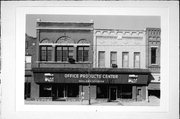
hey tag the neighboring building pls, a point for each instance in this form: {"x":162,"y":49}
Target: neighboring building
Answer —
{"x":30,"y":51}
{"x":153,"y":42}
{"x":122,"y":53}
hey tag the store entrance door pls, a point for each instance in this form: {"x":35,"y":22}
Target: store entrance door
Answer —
{"x":113,"y":92}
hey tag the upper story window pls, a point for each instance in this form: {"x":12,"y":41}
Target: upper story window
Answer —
{"x":113,"y":59}
{"x":27,"y":59}
{"x":63,"y":53}
{"x":153,"y":55}
{"x":28,"y":62}
{"x":125,"y":59}
{"x":82,"y":53}
{"x":45,"y":53}
{"x":101,"y":59}
{"x":136,"y":59}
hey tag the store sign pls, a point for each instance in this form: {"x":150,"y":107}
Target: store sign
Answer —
{"x":132,"y":78}
{"x":91,"y":76}
{"x":49,"y":77}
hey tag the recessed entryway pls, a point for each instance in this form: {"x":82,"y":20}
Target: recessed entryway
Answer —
{"x":113,"y":93}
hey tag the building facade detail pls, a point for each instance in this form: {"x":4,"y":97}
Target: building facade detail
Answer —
{"x":153,"y":41}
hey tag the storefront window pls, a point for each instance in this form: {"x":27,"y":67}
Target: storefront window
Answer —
{"x":45,"y":53}
{"x":102,"y":91}
{"x":27,"y":89}
{"x":73,"y":90}
{"x":125,"y":91}
{"x":45,"y":90}
{"x":82,"y":53}
{"x":63,"y":53}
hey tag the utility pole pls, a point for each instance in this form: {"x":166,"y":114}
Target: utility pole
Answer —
{"x":89,"y":93}
{"x":89,"y":97}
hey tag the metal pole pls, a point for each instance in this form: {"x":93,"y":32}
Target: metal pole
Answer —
{"x":89,"y":93}
{"x":89,"y":88}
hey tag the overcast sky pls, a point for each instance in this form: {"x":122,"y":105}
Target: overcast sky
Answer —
{"x":100,"y":21}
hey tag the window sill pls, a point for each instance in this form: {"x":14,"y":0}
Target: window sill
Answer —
{"x":154,"y":65}
{"x":58,"y":62}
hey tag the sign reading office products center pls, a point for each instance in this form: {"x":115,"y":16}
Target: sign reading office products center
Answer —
{"x":97,"y":78}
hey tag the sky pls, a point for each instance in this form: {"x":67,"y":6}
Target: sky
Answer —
{"x":100,"y":21}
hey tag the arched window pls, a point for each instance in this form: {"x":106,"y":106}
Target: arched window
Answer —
{"x":64,"y":39}
{"x":46,"y":40}
{"x":82,"y":41}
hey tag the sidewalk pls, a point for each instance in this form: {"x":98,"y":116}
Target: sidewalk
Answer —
{"x":153,"y":101}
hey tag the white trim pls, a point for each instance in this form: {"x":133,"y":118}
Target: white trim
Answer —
{"x":154,"y":46}
{"x":65,"y":44}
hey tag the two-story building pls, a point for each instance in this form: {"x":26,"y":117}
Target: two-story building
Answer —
{"x":122,"y":53}
{"x":153,"y":42}
{"x":63,"y":51}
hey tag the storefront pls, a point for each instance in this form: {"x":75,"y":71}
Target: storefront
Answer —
{"x":65,"y":84}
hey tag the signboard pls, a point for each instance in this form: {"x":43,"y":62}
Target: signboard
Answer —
{"x":91,"y":78}
{"x":49,"y":77}
{"x":133,"y":78}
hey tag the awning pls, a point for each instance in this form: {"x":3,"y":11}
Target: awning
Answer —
{"x":79,"y":77}
{"x":92,"y":70}
{"x":154,"y":86}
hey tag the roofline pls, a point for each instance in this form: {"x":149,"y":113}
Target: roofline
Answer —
{"x":120,"y":30}
{"x":51,"y":28}
{"x":82,"y":22}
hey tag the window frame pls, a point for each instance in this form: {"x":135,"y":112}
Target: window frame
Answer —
{"x":123,"y":59}
{"x":111,"y":60}
{"x":99,"y":59}
{"x":152,"y":63}
{"x":46,"y":56}
{"x":139,"y":59}
{"x":62,"y":54}
{"x":83,"y":54}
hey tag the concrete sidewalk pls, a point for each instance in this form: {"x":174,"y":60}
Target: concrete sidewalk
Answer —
{"x":153,"y":101}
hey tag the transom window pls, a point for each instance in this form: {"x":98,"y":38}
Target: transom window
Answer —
{"x":82,"y":53}
{"x":45,"y":53}
{"x":63,"y":53}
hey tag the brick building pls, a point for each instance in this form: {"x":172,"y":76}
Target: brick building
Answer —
{"x":62,"y":50}
{"x":153,"y":42}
